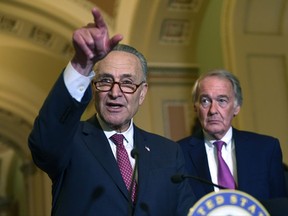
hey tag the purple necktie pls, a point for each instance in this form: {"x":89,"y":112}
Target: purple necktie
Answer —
{"x":124,"y":163}
{"x":225,"y":177}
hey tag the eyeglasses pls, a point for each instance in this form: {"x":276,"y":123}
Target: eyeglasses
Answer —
{"x":105,"y":86}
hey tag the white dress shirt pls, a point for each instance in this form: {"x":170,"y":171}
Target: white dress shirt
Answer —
{"x":128,"y":142}
{"x":228,"y":154}
{"x":75,"y":82}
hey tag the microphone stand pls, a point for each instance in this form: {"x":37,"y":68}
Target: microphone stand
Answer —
{"x":180,"y":177}
{"x":135,"y":155}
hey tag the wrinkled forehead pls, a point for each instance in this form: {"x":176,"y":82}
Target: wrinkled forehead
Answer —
{"x":215,"y":82}
{"x":214,"y":86}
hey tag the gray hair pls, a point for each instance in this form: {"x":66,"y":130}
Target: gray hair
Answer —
{"x":140,"y":56}
{"x":221,"y":73}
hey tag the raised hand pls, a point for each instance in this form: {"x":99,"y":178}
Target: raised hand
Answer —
{"x":92,"y":43}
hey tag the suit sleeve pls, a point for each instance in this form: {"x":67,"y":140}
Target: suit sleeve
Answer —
{"x":186,"y":196}
{"x":54,"y":128}
{"x":277,"y":178}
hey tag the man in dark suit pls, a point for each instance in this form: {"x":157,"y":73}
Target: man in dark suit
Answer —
{"x":253,"y":160}
{"x":81,"y":158}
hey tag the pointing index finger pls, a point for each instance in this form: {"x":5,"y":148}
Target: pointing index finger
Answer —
{"x":98,"y":19}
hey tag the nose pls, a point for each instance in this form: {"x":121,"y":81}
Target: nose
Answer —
{"x":115,"y":90}
{"x":213,"y":107}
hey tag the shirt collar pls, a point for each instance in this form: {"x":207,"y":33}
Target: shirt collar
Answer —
{"x":128,"y":134}
{"x":227,"y":138}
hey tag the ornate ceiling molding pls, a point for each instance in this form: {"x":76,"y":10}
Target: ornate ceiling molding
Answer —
{"x":39,"y":35}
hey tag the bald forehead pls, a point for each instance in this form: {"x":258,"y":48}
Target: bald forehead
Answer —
{"x":120,"y":59}
{"x":120,"y":64}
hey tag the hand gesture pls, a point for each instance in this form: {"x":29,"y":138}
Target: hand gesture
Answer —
{"x":92,"y":43}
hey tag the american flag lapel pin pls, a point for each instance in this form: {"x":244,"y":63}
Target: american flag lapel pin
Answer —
{"x":147,"y":148}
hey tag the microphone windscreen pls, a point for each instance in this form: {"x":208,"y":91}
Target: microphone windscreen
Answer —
{"x":134,"y":153}
{"x":177,"y":178}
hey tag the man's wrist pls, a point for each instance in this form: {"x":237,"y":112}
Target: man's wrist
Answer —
{"x":75,"y":82}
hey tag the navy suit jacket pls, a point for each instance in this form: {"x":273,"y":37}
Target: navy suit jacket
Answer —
{"x":258,"y":161}
{"x":86,"y":179}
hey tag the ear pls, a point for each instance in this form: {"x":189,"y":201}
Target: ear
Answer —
{"x":93,"y":90}
{"x":195,"y":108}
{"x":237,"y":110}
{"x":143,"y":93}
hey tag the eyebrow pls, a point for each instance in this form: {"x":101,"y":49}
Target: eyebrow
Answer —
{"x":110,"y":75}
{"x":218,"y":96}
{"x":221,"y":96}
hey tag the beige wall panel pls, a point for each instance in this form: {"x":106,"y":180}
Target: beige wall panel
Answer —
{"x":268,"y":90}
{"x":165,"y":100}
{"x":168,"y":109}
{"x":263,"y":17}
{"x":256,"y":50}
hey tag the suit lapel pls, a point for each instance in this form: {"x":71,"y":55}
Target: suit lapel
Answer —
{"x":198,"y":157}
{"x":99,"y":146}
{"x":242,"y":147}
{"x":143,"y":147}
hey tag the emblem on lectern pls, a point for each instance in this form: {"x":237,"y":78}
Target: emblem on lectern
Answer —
{"x":228,"y":203}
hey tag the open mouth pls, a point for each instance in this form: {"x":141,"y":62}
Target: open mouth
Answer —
{"x":114,"y":106}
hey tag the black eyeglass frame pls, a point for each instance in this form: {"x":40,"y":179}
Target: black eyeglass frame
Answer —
{"x":119,"y":84}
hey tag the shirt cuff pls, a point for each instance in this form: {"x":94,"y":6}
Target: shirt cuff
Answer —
{"x":75,"y":82}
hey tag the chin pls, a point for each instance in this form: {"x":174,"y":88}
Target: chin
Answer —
{"x":214,"y":130}
{"x":115,"y":123}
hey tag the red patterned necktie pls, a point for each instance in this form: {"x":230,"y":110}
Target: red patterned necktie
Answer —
{"x":225,"y":177}
{"x":124,"y":164}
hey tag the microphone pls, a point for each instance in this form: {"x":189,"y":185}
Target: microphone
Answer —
{"x":180,"y":177}
{"x":134,"y":154}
